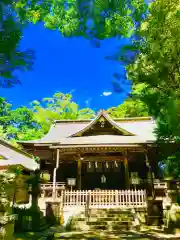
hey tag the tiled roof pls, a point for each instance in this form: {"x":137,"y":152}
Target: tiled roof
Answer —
{"x":14,"y":156}
{"x":142,"y":128}
{"x":102,"y":140}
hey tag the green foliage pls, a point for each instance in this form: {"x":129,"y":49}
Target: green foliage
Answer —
{"x":6,"y":186}
{"x":132,"y":106}
{"x":71,"y":224}
{"x":109,"y":17}
{"x":32,"y":123}
{"x":157,"y":66}
{"x":59,"y":106}
{"x":17,"y":124}
{"x":6,"y":197}
{"x":11,"y":58}
{"x":172,"y":166}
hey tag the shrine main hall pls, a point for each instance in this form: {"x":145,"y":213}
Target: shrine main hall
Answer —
{"x":102,"y":153}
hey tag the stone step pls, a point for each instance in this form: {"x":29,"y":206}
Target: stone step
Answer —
{"x":99,"y":227}
{"x":110,"y":213}
{"x":111,"y":217}
{"x":96,"y":223}
{"x":110,"y":210}
{"x":118,"y":210}
{"x":124,"y":226}
{"x":130,"y":219}
{"x":120,"y":216}
{"x":108,"y":222}
{"x":81,"y":219}
{"x":105,"y":218}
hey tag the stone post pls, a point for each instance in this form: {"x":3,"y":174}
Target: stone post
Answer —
{"x":150,"y":173}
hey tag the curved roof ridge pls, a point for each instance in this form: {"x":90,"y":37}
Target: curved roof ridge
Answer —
{"x":147,"y":118}
{"x":114,"y":119}
{"x":72,"y":120}
{"x":102,"y":113}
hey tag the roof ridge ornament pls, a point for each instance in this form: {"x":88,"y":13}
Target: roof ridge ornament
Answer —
{"x":101,"y":112}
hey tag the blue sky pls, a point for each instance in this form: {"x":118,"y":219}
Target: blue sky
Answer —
{"x":67,"y":64}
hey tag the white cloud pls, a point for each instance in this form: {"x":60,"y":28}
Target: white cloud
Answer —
{"x":87,"y":102}
{"x":106,"y":94}
{"x":73,"y":90}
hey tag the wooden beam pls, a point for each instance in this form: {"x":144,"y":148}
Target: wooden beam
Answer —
{"x":126,"y":167}
{"x":79,"y":165}
{"x":54,"y":173}
{"x":57,"y":158}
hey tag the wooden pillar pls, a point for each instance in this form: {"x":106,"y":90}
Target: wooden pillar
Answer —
{"x":54,"y":173}
{"x":79,"y":165}
{"x":126,"y":167}
{"x":150,"y":173}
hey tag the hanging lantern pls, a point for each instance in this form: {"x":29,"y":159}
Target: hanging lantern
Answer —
{"x":107,"y":166}
{"x":103,"y":179}
{"x":96,"y":165}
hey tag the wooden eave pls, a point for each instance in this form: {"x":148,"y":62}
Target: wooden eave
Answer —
{"x":43,"y":144}
{"x":23,"y":152}
{"x":100,"y":148}
{"x":95,"y":146}
{"x":6,"y":167}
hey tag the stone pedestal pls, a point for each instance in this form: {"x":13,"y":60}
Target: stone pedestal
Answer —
{"x":9,"y":231}
{"x":7,"y":226}
{"x":172,"y":211}
{"x":155,"y":213}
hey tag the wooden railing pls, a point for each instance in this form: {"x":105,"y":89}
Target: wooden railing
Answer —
{"x":47,"y":189}
{"x":50,"y":185}
{"x":105,"y":198}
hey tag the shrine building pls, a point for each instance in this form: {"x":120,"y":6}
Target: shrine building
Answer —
{"x":103,"y":153}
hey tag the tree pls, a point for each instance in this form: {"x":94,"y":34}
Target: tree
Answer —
{"x":157,"y":65}
{"x":11,"y":58}
{"x":59,"y":106}
{"x":131,"y":107}
{"x":92,"y":19}
{"x":6,"y":195}
{"x":158,"y":62}
{"x":17,"y":124}
{"x":32,"y":123}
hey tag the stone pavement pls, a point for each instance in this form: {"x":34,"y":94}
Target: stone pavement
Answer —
{"x":56,"y":231}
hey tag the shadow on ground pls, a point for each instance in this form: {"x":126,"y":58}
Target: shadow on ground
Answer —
{"x":100,"y":235}
{"x":104,"y":236}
